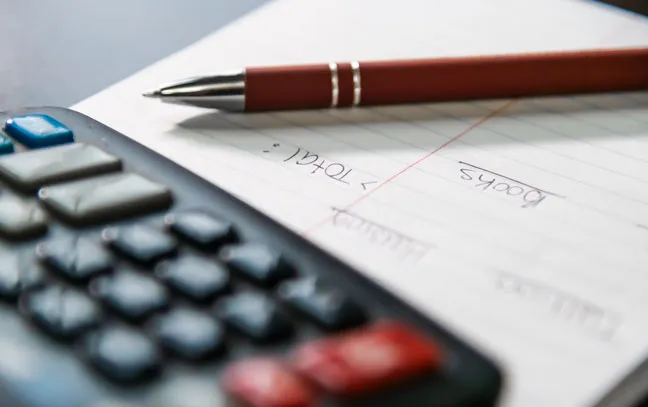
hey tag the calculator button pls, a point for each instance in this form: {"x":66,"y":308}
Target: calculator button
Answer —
{"x":326,"y":305}
{"x":256,"y":262}
{"x":122,"y":354}
{"x":38,"y":130}
{"x":105,"y":197}
{"x":256,"y":316}
{"x":32,"y":169}
{"x":366,"y":360}
{"x":18,"y":273}
{"x":63,"y":312}
{"x":74,"y":257}
{"x":201,"y":229}
{"x":142,"y":243}
{"x":21,"y":218}
{"x":198,"y":278}
{"x":6,"y":145}
{"x":265,"y":382}
{"x":132,"y":295}
{"x":190,"y":334}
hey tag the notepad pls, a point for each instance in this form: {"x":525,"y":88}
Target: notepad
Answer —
{"x":522,"y":225}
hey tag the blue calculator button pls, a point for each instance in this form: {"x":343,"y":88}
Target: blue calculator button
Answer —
{"x":6,"y":145}
{"x":38,"y":130}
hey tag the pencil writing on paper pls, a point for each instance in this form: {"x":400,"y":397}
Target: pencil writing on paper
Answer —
{"x":590,"y":317}
{"x":404,"y":247}
{"x":485,"y":180}
{"x":315,"y":164}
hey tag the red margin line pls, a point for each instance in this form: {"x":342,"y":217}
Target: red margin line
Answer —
{"x":413,"y":164}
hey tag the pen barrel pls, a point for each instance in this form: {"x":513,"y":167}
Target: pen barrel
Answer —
{"x":287,"y":87}
{"x":346,"y":84}
{"x":493,"y":77}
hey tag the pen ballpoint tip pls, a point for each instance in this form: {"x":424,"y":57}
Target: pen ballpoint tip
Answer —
{"x":152,"y":94}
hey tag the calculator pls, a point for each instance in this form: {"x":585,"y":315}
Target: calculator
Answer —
{"x":126,"y":280}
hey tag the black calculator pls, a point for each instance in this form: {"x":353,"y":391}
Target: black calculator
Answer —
{"x":126,"y":280}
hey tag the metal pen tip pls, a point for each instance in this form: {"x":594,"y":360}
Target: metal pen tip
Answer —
{"x":152,"y":94}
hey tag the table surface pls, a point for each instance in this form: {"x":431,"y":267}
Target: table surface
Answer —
{"x":55,"y":52}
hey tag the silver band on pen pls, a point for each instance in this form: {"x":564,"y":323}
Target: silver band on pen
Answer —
{"x":357,"y":84}
{"x":335,"y":85}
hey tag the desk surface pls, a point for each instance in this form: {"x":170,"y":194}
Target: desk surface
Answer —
{"x":55,"y":52}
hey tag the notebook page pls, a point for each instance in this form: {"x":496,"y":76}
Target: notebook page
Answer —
{"x":521,"y":225}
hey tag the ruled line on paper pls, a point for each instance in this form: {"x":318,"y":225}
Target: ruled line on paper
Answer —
{"x":468,"y":208}
{"x":522,"y":163}
{"x":503,"y":108}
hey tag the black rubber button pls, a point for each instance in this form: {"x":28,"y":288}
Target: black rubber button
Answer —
{"x":190,"y":334}
{"x":21,"y":218}
{"x":62,"y":312}
{"x":122,"y":354}
{"x":200,"y":228}
{"x":200,"y":279}
{"x":257,"y":263}
{"x":132,"y":295}
{"x":74,"y":257}
{"x":30,"y":170}
{"x":256,"y":316}
{"x":142,"y":243}
{"x":19,"y":272}
{"x":325,"y":305}
{"x":105,"y":197}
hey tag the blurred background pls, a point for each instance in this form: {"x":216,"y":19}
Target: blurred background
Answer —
{"x":58,"y":52}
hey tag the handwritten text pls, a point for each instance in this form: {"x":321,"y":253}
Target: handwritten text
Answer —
{"x":589,"y":317}
{"x":485,"y":180}
{"x":315,"y":164}
{"x":403,"y":247}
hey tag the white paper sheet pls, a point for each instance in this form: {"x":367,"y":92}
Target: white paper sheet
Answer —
{"x":522,"y":225}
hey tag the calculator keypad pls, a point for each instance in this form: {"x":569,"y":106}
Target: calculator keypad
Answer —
{"x":109,"y":262}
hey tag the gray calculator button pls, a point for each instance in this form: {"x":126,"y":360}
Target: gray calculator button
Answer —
{"x":21,"y":217}
{"x":33,"y":169}
{"x":105,"y":197}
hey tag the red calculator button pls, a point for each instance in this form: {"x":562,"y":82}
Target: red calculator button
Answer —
{"x":265,"y":382}
{"x":366,"y":359}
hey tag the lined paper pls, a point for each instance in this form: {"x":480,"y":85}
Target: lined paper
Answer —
{"x":520,"y":224}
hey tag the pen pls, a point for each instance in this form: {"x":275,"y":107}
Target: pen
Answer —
{"x":350,"y":84}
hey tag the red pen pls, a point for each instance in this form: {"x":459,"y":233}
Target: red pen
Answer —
{"x":349,"y":84}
